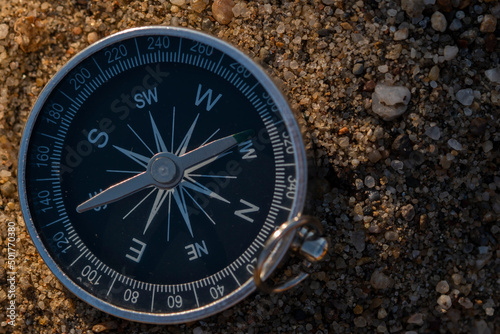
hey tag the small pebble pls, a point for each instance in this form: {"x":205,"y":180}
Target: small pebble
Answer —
{"x":397,"y":164}
{"x":433,"y":132}
{"x":198,"y":5}
{"x":92,"y":37}
{"x":455,"y":144}
{"x":382,"y":313}
{"x":401,"y":34}
{"x":178,"y":2}
{"x":358,"y":240}
{"x":450,"y":52}
{"x":489,"y":23}
{"x":374,"y":156}
{"x":457,"y":279}
{"x":4,"y":30}
{"x":465,"y":96}
{"x":444,"y":301}
{"x":223,"y":11}
{"x":369,"y":181}
{"x":487,"y":146}
{"x":455,"y":25}
{"x":408,"y":212}
{"x":383,"y":68}
{"x":105,"y":326}
{"x":390,"y":102}
{"x":391,"y":236}
{"x":380,"y":281}
{"x":443,"y":287}
{"x":413,"y":8}
{"x":417,"y":319}
{"x":438,"y":22}
{"x":360,"y":322}
{"x":493,"y":75}
{"x":465,"y":302}
{"x":434,"y":73}
{"x":358,"y":68}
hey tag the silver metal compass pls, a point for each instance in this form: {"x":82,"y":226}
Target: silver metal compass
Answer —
{"x":162,"y":176}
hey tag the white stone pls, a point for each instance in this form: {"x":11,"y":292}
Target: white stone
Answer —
{"x":438,"y":22}
{"x":465,"y":96}
{"x":493,"y":74}
{"x":389,"y":102}
{"x":450,"y":52}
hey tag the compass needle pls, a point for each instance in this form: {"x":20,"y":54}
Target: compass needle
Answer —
{"x":116,"y":192}
{"x":213,"y":149}
{"x":153,"y":169}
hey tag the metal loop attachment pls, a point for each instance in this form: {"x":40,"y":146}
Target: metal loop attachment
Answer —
{"x":307,"y":242}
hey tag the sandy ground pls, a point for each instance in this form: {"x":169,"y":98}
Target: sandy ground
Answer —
{"x":408,"y":196}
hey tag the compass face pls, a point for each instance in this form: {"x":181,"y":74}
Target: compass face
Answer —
{"x":154,"y":166}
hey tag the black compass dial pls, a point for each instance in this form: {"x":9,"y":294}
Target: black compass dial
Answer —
{"x":154,"y":167}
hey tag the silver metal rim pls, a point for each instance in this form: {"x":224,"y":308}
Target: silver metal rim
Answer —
{"x":288,"y":118}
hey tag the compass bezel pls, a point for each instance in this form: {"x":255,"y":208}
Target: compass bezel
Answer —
{"x":286,"y":113}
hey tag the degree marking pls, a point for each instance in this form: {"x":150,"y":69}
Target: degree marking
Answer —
{"x":196,"y":296}
{"x":63,"y":93}
{"x":112,"y":283}
{"x":218,"y":64}
{"x":234,"y":276}
{"x":153,"y":300}
{"x":180,"y":49}
{"x":99,"y":67}
{"x":78,"y":258}
{"x":138,"y":51}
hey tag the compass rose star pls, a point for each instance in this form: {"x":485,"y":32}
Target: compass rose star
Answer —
{"x":181,"y":191}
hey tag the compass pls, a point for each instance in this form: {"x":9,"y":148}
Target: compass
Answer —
{"x":154,"y":168}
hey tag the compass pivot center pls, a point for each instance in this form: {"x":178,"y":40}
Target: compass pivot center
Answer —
{"x":164,"y":170}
